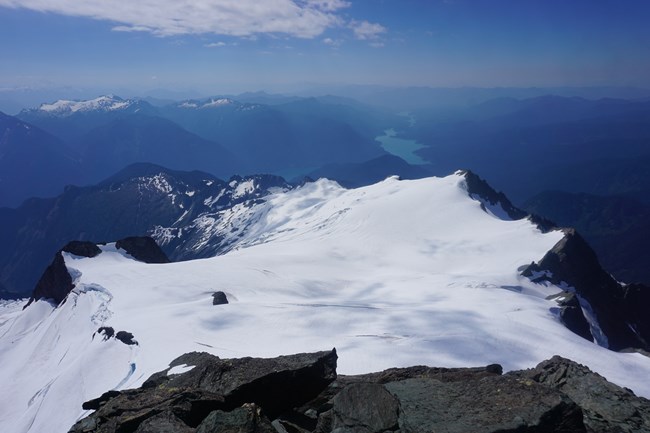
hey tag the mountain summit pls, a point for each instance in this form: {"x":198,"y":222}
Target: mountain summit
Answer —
{"x":399,"y":273}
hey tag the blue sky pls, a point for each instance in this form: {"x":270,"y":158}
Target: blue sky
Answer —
{"x":219,"y":46}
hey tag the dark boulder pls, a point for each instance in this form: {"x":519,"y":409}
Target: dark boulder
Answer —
{"x":106,"y":331}
{"x":95,"y":403}
{"x":126,"y":338}
{"x":164,"y":422}
{"x":246,"y":419}
{"x":82,"y":249}
{"x":492,"y":404}
{"x":142,"y":248}
{"x":275,"y":385}
{"x":55,"y":283}
{"x":366,"y":406}
{"x":606,"y":406}
{"x":219,"y":298}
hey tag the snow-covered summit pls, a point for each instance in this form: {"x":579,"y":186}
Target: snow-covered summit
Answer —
{"x":215,"y":102}
{"x":394,"y":274}
{"x":103,"y":103}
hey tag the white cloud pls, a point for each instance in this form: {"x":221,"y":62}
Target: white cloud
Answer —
{"x":242,"y":18}
{"x":215,"y":44}
{"x":377,"y":44}
{"x":365,"y":30}
{"x":332,"y":42}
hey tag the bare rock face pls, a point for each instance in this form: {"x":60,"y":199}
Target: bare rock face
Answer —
{"x":496,"y":404}
{"x":142,"y":248}
{"x":302,"y":394}
{"x":82,"y":249}
{"x":606,"y":407}
{"x":213,"y":384}
{"x":55,"y":283}
{"x":617,"y":309}
{"x":219,"y":298}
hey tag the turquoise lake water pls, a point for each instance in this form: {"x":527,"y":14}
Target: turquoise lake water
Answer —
{"x":402,"y":147}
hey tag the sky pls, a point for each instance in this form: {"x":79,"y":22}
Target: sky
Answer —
{"x":221,"y":46}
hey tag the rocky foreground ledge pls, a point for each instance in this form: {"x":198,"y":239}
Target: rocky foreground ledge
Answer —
{"x":302,"y":393}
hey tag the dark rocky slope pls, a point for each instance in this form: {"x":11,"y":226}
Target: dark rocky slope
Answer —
{"x":137,"y":201}
{"x":613,"y":312}
{"x":56,"y":282}
{"x":302,"y":393}
{"x":594,"y":305}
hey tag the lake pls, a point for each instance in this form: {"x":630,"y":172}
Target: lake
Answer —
{"x":402,"y":147}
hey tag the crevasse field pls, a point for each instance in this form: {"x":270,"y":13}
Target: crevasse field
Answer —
{"x":394,"y":274}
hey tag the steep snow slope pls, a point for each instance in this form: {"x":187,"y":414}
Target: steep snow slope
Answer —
{"x":394,"y":274}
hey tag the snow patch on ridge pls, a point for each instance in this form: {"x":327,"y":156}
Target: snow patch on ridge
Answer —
{"x":106,"y":103}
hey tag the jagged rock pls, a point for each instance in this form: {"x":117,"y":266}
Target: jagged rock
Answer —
{"x":480,"y":189}
{"x":126,"y":338}
{"x":477,"y":187}
{"x":364,"y":407}
{"x":142,"y":248}
{"x":606,"y":407}
{"x":246,"y":419}
{"x":106,"y":331}
{"x":276,"y":385}
{"x":219,"y":298}
{"x":95,"y":403}
{"x":621,"y":324}
{"x":282,"y":395}
{"x":572,"y":316}
{"x":82,"y":248}
{"x":164,"y":422}
{"x":55,"y":283}
{"x":491,"y":404}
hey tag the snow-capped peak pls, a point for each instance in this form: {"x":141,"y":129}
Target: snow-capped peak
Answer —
{"x":102,"y":103}
{"x":210,"y":103}
{"x":217,"y":102}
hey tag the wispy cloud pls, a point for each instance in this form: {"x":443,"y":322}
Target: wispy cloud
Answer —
{"x":365,"y":30}
{"x":332,"y":42}
{"x":241,"y":18}
{"x":377,"y":44}
{"x":215,"y":44}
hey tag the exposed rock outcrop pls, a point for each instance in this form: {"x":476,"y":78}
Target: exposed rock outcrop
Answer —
{"x":142,"y":248}
{"x":301,"y":393}
{"x":605,"y":406}
{"x":82,"y":249}
{"x":219,"y":298}
{"x":213,"y":384}
{"x":479,"y":189}
{"x":614,"y":311}
{"x":56,"y":282}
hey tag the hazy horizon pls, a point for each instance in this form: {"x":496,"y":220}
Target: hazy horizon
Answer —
{"x":279,"y":46}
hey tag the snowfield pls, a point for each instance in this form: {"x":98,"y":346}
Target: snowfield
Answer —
{"x":395,"y":274}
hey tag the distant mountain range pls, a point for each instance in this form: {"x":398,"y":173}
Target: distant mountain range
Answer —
{"x":91,"y":139}
{"x":524,"y":147}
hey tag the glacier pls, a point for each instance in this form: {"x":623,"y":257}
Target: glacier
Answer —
{"x":394,"y":274}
